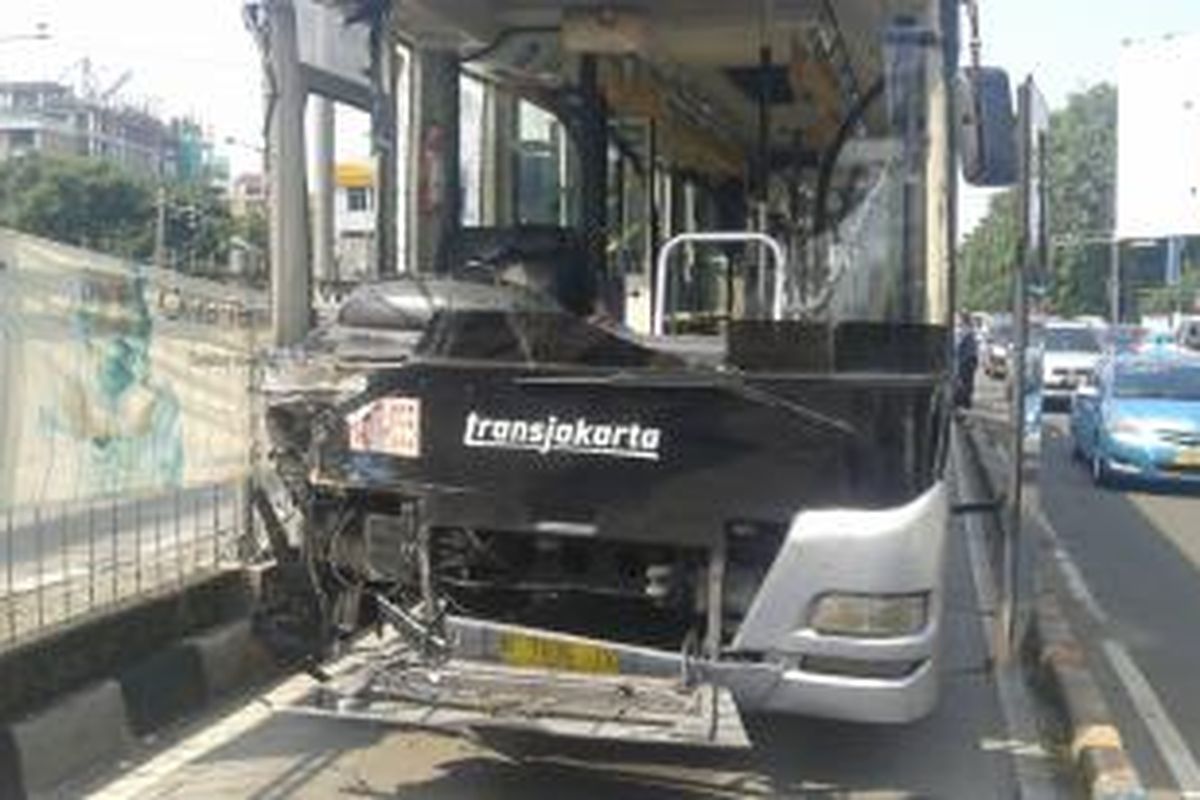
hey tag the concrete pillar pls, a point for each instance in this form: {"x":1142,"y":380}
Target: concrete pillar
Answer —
{"x":436,"y":212}
{"x":324,"y":258}
{"x":385,"y":63}
{"x":286,"y":183}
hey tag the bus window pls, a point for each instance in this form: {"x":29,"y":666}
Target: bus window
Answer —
{"x":470,"y":158}
{"x":544,"y":166}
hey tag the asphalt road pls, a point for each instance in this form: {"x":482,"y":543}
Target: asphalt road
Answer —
{"x":966,"y":749}
{"x":1130,"y":571}
{"x":1138,"y":555}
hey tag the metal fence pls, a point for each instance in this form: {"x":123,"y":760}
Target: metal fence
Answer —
{"x":117,"y":379}
{"x":67,"y":562}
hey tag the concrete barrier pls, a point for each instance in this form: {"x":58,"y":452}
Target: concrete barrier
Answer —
{"x":78,"y":732}
{"x":101,"y":722}
{"x":231,"y":657}
{"x":166,"y":687}
{"x":1059,"y":665}
{"x":39,"y":672}
{"x":56,"y":736}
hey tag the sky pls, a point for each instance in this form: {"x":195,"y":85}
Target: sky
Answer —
{"x":1067,"y":46}
{"x":187,"y":58}
{"x":197,"y":58}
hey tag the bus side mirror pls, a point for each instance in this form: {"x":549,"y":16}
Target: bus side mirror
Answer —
{"x":987,"y":127}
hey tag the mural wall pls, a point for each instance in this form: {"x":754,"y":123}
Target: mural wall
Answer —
{"x":116,"y":377}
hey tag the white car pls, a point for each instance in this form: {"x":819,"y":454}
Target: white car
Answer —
{"x":1069,"y":357}
{"x":1188,"y":333}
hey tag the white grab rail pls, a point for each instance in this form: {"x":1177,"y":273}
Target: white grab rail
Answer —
{"x":716,"y":237}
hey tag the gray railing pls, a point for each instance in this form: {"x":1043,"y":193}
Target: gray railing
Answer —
{"x":64,"y":563}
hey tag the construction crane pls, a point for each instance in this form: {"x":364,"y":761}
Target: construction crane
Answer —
{"x":115,"y":86}
{"x":88,"y":84}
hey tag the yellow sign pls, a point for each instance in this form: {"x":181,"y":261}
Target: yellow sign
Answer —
{"x":522,"y":650}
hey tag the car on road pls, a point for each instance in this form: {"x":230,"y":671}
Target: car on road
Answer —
{"x":1071,"y":351}
{"x":1188,"y":333}
{"x":996,"y":350}
{"x":1125,"y":338}
{"x":1140,"y":418}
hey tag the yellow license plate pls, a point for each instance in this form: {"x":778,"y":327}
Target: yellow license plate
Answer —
{"x":523,"y":650}
{"x":1188,"y":458}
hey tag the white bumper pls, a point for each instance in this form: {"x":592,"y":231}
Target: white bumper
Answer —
{"x":891,"y":551}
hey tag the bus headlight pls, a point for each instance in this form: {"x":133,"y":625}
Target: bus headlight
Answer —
{"x":843,"y":614}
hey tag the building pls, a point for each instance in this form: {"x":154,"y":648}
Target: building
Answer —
{"x":248,"y":195}
{"x":353,"y":217}
{"x":49,"y":117}
{"x":34,"y":117}
{"x":354,"y":220}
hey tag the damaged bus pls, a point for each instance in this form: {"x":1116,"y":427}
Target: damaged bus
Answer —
{"x":657,"y":433}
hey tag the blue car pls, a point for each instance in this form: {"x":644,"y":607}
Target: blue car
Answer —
{"x":1140,"y":419}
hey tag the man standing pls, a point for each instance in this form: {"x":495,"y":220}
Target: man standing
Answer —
{"x":966,"y":351}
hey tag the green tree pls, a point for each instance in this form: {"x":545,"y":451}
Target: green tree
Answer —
{"x":198,"y":227}
{"x":988,"y":255}
{"x":83,"y":202}
{"x":1080,"y":176}
{"x":95,"y":204}
{"x":252,"y":228}
{"x":1081,"y":181}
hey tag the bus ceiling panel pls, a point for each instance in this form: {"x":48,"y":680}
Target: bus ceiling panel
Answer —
{"x":824,"y":53}
{"x":450,"y":24}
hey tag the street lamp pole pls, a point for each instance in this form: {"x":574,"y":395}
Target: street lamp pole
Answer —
{"x":160,"y":228}
{"x":1114,"y":259}
{"x":40,"y":34}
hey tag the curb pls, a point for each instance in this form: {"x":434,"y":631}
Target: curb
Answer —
{"x":1060,"y":666}
{"x":102,"y":722}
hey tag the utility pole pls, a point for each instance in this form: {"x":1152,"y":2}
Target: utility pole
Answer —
{"x":1115,"y":278}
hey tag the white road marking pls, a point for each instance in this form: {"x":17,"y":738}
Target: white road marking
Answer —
{"x":1071,"y":573}
{"x":1078,"y":586}
{"x":1170,"y":741}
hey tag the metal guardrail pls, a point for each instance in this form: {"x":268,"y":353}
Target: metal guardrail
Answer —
{"x":68,"y":562}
